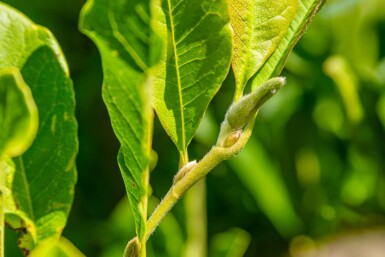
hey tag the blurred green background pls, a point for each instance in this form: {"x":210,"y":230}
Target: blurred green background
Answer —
{"x":314,"y":169}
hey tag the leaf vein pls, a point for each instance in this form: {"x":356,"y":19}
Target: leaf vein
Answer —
{"x":176,"y":59}
{"x":122,"y":40}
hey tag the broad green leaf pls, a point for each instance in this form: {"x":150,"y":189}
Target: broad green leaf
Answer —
{"x":18,"y":114}
{"x":18,"y":127}
{"x":259,"y":27}
{"x":56,"y":248}
{"x":122,"y":32}
{"x":41,"y":188}
{"x":193,"y":65}
{"x":273,"y":66}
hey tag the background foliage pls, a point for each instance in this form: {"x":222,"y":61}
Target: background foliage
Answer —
{"x":315,"y":166}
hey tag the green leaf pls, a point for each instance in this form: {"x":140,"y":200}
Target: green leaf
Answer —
{"x":18,"y":114}
{"x":41,"y":188}
{"x":56,"y":248}
{"x":193,"y":65}
{"x":18,"y":126}
{"x":122,"y":32}
{"x":273,"y":66}
{"x":259,"y":27}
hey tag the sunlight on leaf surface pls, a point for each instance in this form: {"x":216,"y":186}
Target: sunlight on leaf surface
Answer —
{"x":41,"y":188}
{"x":122,"y":32}
{"x":18,"y":114}
{"x":193,"y":65}
{"x":259,"y":27}
{"x":274,"y":65}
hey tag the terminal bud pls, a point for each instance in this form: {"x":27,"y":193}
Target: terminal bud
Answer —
{"x":242,"y":112}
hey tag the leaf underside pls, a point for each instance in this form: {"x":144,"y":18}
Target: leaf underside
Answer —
{"x":122,"y":32}
{"x":193,"y":64}
{"x":274,"y":65}
{"x":258,"y":27}
{"x":40,"y":190}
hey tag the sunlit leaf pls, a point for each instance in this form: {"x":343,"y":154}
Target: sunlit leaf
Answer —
{"x":259,"y":27}
{"x":18,"y":114}
{"x":193,"y":65}
{"x":18,"y":127}
{"x":273,"y":66}
{"x":56,"y":248}
{"x":122,"y":32}
{"x":41,"y":188}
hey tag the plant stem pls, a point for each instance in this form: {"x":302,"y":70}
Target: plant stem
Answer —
{"x":235,"y":131}
{"x":2,"y":224}
{"x":196,"y":220}
{"x":2,"y":203}
{"x":208,"y":162}
{"x":177,"y":190}
{"x":183,"y":159}
{"x":146,"y":177}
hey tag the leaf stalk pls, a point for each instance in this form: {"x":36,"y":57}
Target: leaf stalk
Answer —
{"x":2,"y":203}
{"x":216,"y":155}
{"x":235,"y":132}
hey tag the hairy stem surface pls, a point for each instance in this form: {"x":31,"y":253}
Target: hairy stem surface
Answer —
{"x":208,"y":162}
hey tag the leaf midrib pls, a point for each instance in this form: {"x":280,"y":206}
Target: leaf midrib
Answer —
{"x":242,"y":82}
{"x":177,"y":73}
{"x":126,"y":45}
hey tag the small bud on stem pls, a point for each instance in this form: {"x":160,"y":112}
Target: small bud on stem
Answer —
{"x":235,"y":131}
{"x":184,"y":170}
{"x":243,"y":111}
{"x":132,"y":248}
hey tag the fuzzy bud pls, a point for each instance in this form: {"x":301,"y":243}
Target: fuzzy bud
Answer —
{"x":242,"y":112}
{"x":132,"y":248}
{"x":184,"y":170}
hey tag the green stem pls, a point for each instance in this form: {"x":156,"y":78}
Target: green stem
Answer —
{"x":209,"y":161}
{"x":196,"y":220}
{"x":235,"y":132}
{"x":2,"y":225}
{"x":183,"y":159}
{"x":150,"y":133}
{"x":2,"y":203}
{"x":195,"y":212}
